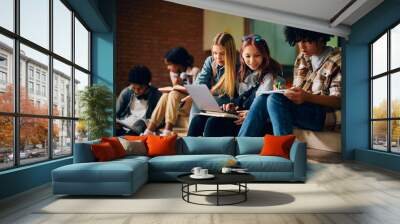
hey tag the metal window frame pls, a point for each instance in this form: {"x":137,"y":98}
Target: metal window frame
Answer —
{"x":388,"y":74}
{"x":16,"y":113}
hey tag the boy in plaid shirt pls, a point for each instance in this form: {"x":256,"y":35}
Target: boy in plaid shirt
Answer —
{"x":316,"y":89}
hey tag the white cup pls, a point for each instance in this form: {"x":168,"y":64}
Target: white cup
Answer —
{"x":226,"y":170}
{"x":196,"y":170}
{"x":203,"y":172}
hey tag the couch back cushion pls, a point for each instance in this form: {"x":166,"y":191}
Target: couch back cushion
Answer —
{"x":206,"y":145}
{"x":249,"y":145}
{"x":104,"y":152}
{"x":116,"y":145}
{"x":161,"y":145}
{"x":277,"y":145}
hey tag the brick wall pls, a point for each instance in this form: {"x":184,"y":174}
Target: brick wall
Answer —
{"x":147,"y":29}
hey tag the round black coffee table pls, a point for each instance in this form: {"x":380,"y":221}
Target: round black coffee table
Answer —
{"x":238,"y":179}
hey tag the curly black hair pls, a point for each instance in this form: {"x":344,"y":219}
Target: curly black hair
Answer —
{"x":139,"y":74}
{"x":179,"y":56}
{"x":295,"y":35}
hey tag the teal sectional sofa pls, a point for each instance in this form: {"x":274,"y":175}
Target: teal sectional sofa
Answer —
{"x":125,"y":176}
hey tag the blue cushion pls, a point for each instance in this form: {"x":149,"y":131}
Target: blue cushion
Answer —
{"x":83,"y":153}
{"x":185,"y":163}
{"x":111,"y":171}
{"x":249,"y":145}
{"x":119,"y":177}
{"x":206,"y":145}
{"x":257,"y":163}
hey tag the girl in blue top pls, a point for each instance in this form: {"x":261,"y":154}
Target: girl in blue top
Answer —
{"x":258,"y":72}
{"x":219,"y":70}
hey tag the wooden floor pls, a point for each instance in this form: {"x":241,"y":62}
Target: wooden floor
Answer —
{"x":377,"y":188}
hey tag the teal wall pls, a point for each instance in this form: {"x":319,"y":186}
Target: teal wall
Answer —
{"x":103,"y":54}
{"x":273,"y":34}
{"x":24,"y":178}
{"x":356,"y":85}
{"x":99,"y":15}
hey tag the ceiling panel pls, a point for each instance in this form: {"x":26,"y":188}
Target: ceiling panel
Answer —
{"x":316,"y":15}
{"x":319,"y":9}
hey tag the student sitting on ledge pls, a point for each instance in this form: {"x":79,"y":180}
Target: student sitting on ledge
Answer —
{"x":219,"y":70}
{"x":180,"y":65}
{"x":316,"y":89}
{"x":136,"y":102}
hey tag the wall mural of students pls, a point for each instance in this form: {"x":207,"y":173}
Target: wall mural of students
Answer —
{"x":258,"y":72}
{"x":316,"y":90}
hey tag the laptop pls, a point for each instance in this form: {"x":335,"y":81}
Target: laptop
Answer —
{"x":203,"y":99}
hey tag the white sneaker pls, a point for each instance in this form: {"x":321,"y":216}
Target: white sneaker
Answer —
{"x":166,"y":133}
{"x":148,"y":132}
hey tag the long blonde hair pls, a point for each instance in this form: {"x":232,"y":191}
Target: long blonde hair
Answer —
{"x":226,"y":84}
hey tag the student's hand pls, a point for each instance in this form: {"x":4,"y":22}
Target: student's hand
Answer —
{"x":186,"y":99}
{"x":179,"y":88}
{"x":242,"y":115}
{"x":296,"y":95}
{"x":229,"y":107}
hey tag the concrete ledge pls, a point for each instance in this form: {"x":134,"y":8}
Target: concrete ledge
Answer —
{"x":321,"y":140}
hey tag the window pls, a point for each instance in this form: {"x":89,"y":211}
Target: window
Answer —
{"x":3,"y":72}
{"x":385,"y":96}
{"x":44,"y":91}
{"x":3,"y":78}
{"x":30,"y":87}
{"x":62,"y":74}
{"x":38,"y":89}
{"x":30,"y":72}
{"x":7,"y":14}
{"x":3,"y":61}
{"x":62,"y":29}
{"x":45,"y":114}
{"x":37,"y":74}
{"x":81,"y":45}
{"x":35,"y":22}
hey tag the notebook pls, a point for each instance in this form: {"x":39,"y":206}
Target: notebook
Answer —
{"x":203,"y":99}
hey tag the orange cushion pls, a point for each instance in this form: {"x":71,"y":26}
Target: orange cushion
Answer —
{"x":277,"y":145}
{"x":161,"y":145}
{"x":116,"y":145}
{"x":103,"y":151}
{"x":134,"y":138}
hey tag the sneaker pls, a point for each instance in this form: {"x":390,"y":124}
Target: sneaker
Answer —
{"x":166,"y":133}
{"x":147,"y":132}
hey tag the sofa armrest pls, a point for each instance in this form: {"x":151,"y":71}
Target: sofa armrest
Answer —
{"x":298,"y":155}
{"x":83,"y":152}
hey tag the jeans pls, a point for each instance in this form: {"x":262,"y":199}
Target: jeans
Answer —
{"x":283,"y":114}
{"x":212,"y":126}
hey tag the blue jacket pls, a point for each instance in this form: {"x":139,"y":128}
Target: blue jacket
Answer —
{"x":125,"y":99}
{"x":205,"y":76}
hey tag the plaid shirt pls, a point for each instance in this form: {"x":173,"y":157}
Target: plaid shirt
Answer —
{"x":326,"y":80}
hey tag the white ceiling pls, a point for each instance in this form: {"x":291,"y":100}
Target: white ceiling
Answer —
{"x":324,"y":16}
